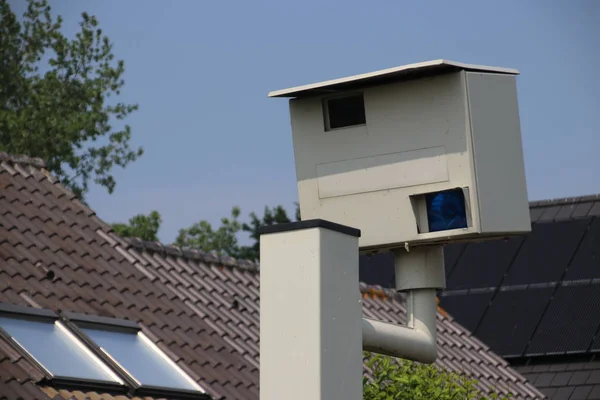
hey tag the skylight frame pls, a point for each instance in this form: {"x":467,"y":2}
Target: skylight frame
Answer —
{"x":77,"y":322}
{"x":13,"y":311}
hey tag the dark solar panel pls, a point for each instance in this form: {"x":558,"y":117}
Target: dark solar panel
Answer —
{"x":546,"y":252}
{"x":511,"y":319}
{"x":565,"y":212}
{"x":586,"y":264}
{"x":595,"y":210}
{"x":582,"y":210}
{"x":468,"y":309}
{"x":452,"y":253}
{"x":377,"y":269}
{"x":570,"y":322}
{"x":596,"y":345}
{"x":549,"y":213}
{"x":484,"y":264}
{"x":535,"y":213}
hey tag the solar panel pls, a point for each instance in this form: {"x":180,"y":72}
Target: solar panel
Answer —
{"x":484,"y":264}
{"x":466,"y":309}
{"x":596,"y":345}
{"x":582,"y":210}
{"x":452,"y":253}
{"x":549,"y":213}
{"x":546,"y":252}
{"x":570,"y":322}
{"x":511,"y":319}
{"x":377,"y":269}
{"x":586,"y":264}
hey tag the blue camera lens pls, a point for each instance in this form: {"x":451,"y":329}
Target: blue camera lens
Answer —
{"x":446,"y":210}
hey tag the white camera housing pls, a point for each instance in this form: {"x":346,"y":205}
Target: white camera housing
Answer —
{"x":371,"y":149}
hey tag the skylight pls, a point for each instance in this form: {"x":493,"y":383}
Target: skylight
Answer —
{"x":95,"y":353}
{"x":140,"y":358}
{"x":123,"y":345}
{"x":52,"y":346}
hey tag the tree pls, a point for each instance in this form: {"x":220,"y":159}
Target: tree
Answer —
{"x":144,"y":227}
{"x":394,"y":379}
{"x":54,"y":94}
{"x":276,"y":215}
{"x":222,"y":240}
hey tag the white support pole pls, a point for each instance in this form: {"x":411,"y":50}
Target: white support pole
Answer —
{"x":310,"y":312}
{"x":419,"y":272}
{"x":416,"y":341}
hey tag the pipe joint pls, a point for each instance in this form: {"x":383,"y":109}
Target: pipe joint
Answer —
{"x":398,"y":341}
{"x":416,"y":341}
{"x":419,"y":273}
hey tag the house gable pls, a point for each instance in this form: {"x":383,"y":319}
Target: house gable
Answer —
{"x":57,"y":255}
{"x":201,"y":311}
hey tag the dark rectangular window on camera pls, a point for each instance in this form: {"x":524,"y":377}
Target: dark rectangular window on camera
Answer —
{"x":344,"y":111}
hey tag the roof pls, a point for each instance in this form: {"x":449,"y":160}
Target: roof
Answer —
{"x":203,"y":312}
{"x":533,"y":299}
{"x":226,"y":294}
{"x":562,"y":380}
{"x":390,"y":75}
{"x":45,"y":231}
{"x":549,"y":277}
{"x":565,"y":209}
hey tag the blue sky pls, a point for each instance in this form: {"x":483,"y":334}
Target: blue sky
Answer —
{"x":201,"y":71}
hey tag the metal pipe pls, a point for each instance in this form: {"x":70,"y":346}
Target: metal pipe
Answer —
{"x":416,"y":341}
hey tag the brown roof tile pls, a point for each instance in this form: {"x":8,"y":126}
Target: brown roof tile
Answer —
{"x":94,"y":274}
{"x":201,"y":310}
{"x":459,"y":353}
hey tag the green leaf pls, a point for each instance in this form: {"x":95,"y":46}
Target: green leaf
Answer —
{"x":62,"y":115}
{"x":395,"y":379}
{"x":222,"y":241}
{"x":144,"y":227}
